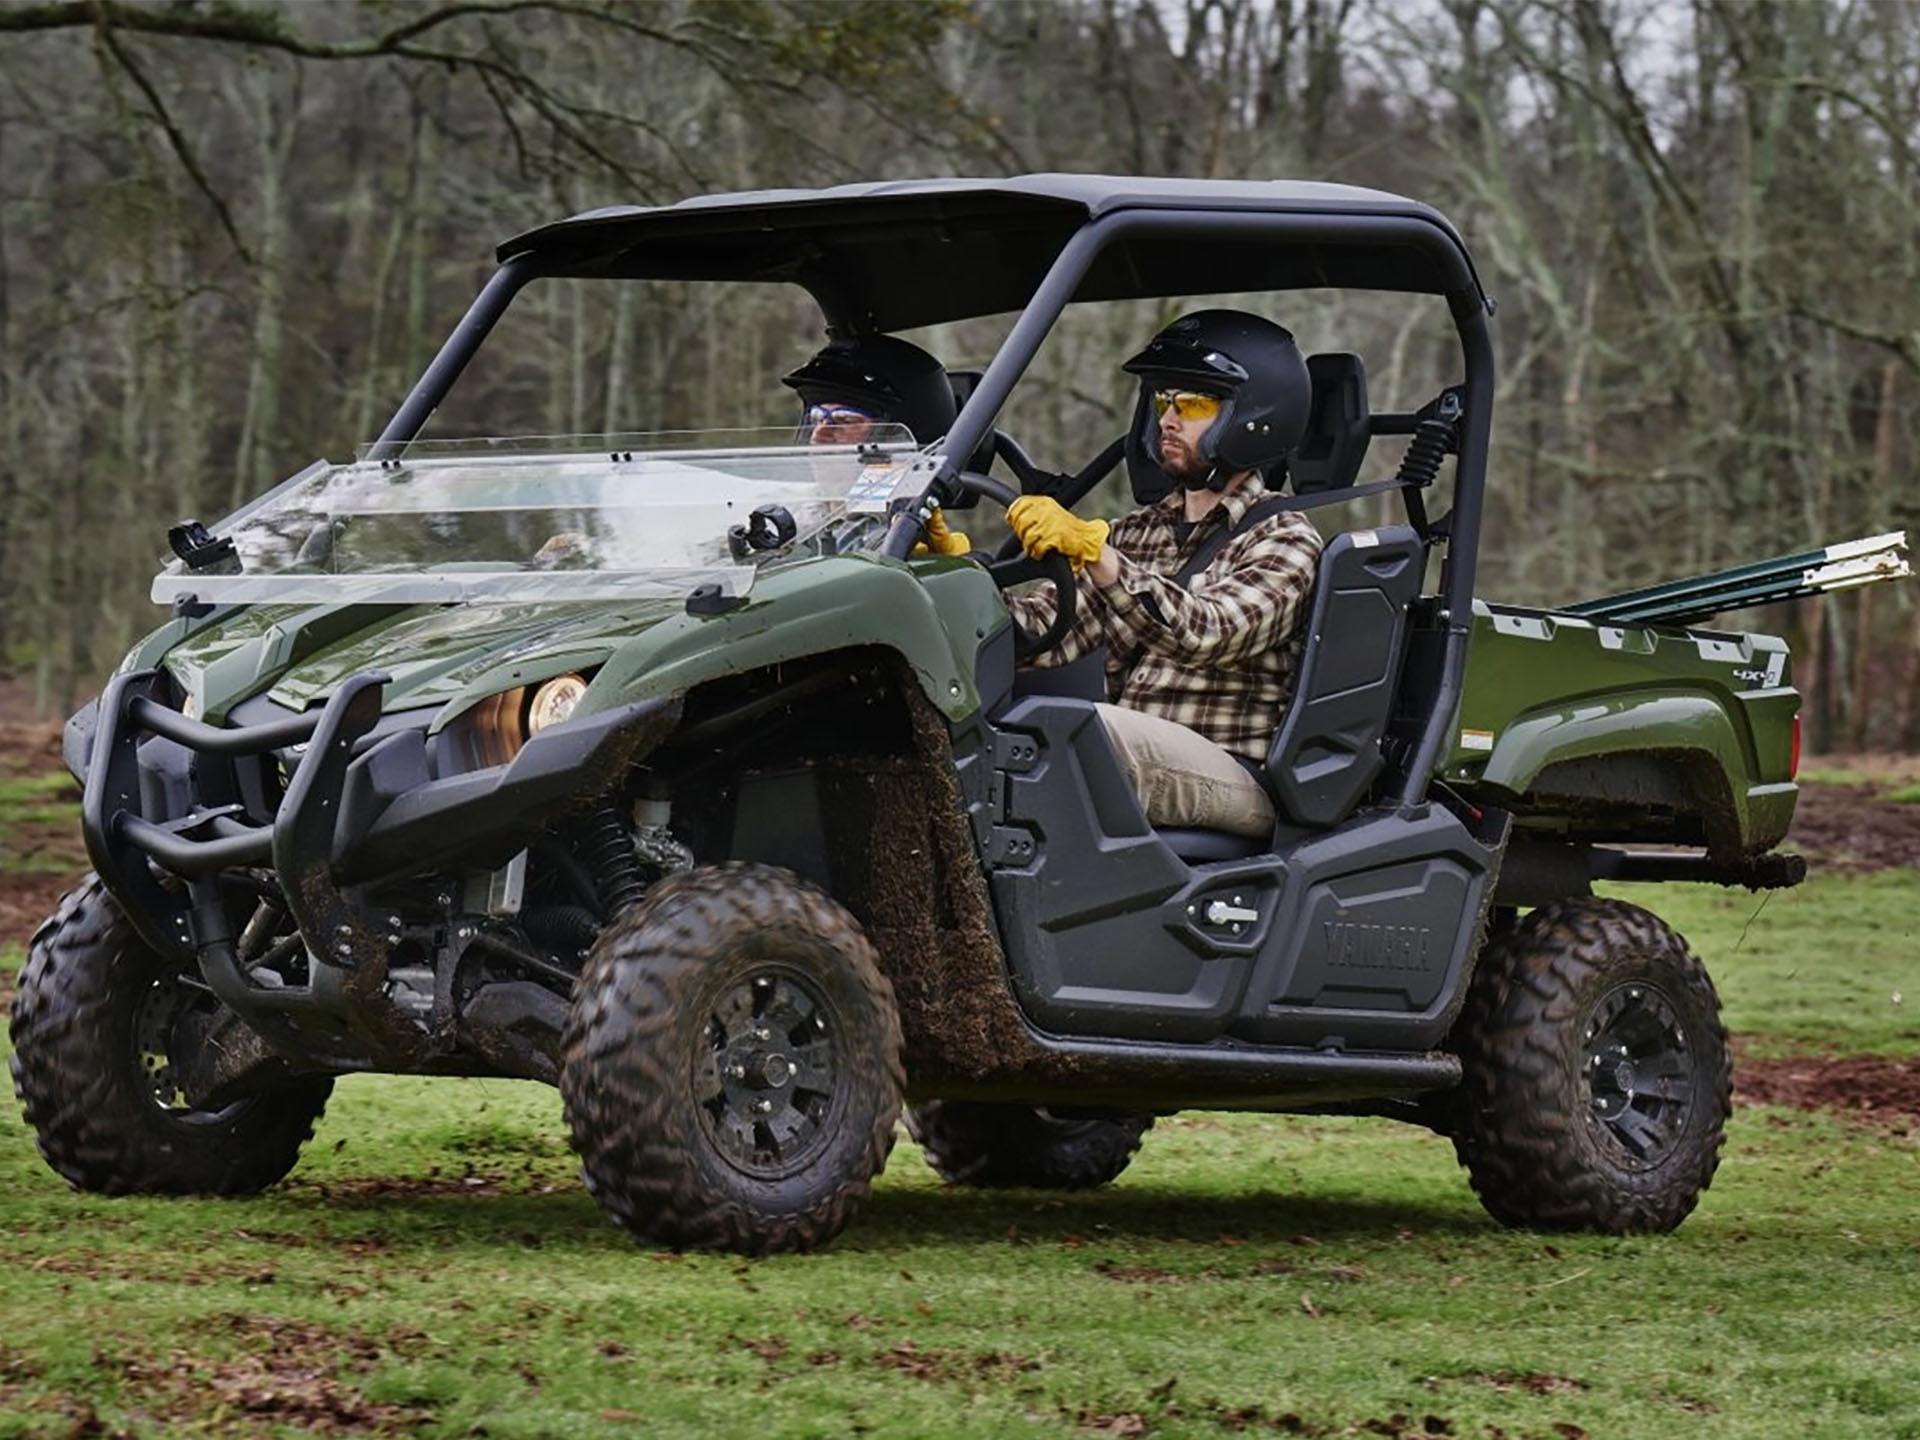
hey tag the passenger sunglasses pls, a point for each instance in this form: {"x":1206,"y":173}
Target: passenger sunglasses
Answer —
{"x":838,"y":415}
{"x":1187,"y":404}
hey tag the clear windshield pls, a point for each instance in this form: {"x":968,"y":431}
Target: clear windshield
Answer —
{"x":652,"y":516}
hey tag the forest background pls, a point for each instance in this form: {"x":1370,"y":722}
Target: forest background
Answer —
{"x":231,"y":233}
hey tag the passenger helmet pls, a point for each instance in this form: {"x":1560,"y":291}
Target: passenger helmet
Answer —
{"x":1253,"y":364}
{"x":890,"y":378}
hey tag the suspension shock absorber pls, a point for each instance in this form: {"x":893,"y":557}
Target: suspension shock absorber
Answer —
{"x":608,"y":851}
{"x":1432,"y":439}
{"x":653,"y":838}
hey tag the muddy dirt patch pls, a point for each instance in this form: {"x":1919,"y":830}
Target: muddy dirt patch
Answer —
{"x":290,"y":1375}
{"x":1875,"y":1089}
{"x":29,"y":747}
{"x":1851,"y":829}
{"x":26,"y":900}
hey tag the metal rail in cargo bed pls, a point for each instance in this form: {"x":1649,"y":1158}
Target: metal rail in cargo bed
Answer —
{"x":1786,"y":577}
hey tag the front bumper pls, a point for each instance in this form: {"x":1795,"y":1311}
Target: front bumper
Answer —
{"x":355,"y":810}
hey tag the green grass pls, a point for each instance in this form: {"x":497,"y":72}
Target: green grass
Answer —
{"x":1899,"y":794}
{"x":1336,"y":1271}
{"x":1839,"y":775}
{"x":16,"y":789}
{"x":1816,"y":968}
{"x":433,"y":1267}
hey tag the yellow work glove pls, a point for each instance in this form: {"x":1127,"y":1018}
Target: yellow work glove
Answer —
{"x":1044,"y":526}
{"x":942,"y":541}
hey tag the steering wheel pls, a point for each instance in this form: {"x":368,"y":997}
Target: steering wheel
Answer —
{"x":1019,"y":569}
{"x":1065,"y":488}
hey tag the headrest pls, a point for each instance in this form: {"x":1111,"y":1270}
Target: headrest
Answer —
{"x":1336,"y":440}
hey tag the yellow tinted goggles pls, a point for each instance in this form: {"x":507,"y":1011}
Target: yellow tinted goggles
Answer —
{"x":1187,"y":404}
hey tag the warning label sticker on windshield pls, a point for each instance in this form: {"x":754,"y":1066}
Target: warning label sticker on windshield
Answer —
{"x":874,"y":490}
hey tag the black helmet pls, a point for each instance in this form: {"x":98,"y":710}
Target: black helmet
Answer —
{"x":882,"y":374}
{"x":1254,"y":364}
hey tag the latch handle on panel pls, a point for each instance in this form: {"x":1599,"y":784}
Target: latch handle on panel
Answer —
{"x":1219,"y":912}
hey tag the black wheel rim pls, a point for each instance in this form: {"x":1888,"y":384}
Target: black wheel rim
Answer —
{"x":765,"y":1078}
{"x":170,"y":1018}
{"x":1640,"y":1073}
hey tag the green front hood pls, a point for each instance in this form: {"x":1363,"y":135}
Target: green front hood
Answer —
{"x":298,"y":655}
{"x":934,"y":613}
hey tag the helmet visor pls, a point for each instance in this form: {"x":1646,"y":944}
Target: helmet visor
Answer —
{"x":1173,"y":358}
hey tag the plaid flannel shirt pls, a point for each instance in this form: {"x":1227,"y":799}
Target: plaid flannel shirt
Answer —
{"x":1219,"y":658}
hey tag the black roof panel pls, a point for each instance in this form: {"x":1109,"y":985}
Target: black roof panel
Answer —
{"x":895,"y":254}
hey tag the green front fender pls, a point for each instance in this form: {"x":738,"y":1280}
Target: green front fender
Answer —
{"x":1673,"y":722}
{"x":933,"y":613}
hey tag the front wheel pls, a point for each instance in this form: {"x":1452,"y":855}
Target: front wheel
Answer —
{"x":1596,"y":1078}
{"x":103,"y":1029}
{"x":731,"y":1066}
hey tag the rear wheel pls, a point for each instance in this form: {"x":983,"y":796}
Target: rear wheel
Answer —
{"x":102,"y":1031}
{"x":732,"y":1064}
{"x":999,"y":1146}
{"x":1597,"y":1080}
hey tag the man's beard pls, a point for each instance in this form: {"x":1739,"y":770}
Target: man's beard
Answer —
{"x":1184,"y":464}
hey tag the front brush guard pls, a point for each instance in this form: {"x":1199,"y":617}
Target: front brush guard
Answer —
{"x":340,"y":814}
{"x":342,"y":1017}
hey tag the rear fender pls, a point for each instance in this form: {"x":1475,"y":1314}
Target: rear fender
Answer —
{"x":1688,"y":726}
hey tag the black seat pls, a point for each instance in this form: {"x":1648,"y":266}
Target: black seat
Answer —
{"x":1198,"y":847}
{"x":1327,"y":749}
{"x":1326,"y":752}
{"x":1338,"y":420}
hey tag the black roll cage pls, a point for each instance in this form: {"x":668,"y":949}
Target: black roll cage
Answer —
{"x":1332,"y":229}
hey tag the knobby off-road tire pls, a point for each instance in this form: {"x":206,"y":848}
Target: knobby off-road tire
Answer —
{"x":731,"y":1067}
{"x":99,"y":1026}
{"x":1597,"y":1080}
{"x":1002,"y":1146}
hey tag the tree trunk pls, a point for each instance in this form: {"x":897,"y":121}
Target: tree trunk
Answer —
{"x":1810,"y":673}
{"x":1865,"y":657}
{"x":616,"y":410}
{"x":9,"y":418}
{"x":1906,"y":728}
{"x":1866,"y":654}
{"x":259,"y":443}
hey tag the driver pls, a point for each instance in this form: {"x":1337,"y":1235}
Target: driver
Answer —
{"x":1201,"y":671}
{"x":854,"y":384}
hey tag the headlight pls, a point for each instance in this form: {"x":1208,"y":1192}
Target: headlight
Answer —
{"x":553,"y":701}
{"x":492,"y":732}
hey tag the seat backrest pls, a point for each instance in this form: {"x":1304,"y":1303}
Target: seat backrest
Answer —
{"x":1327,"y":750}
{"x":1330,"y":452}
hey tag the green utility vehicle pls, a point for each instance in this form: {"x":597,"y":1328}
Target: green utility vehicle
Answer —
{"x":669,"y":773}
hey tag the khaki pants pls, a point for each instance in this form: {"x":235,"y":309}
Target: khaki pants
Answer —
{"x":1183,"y":778}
